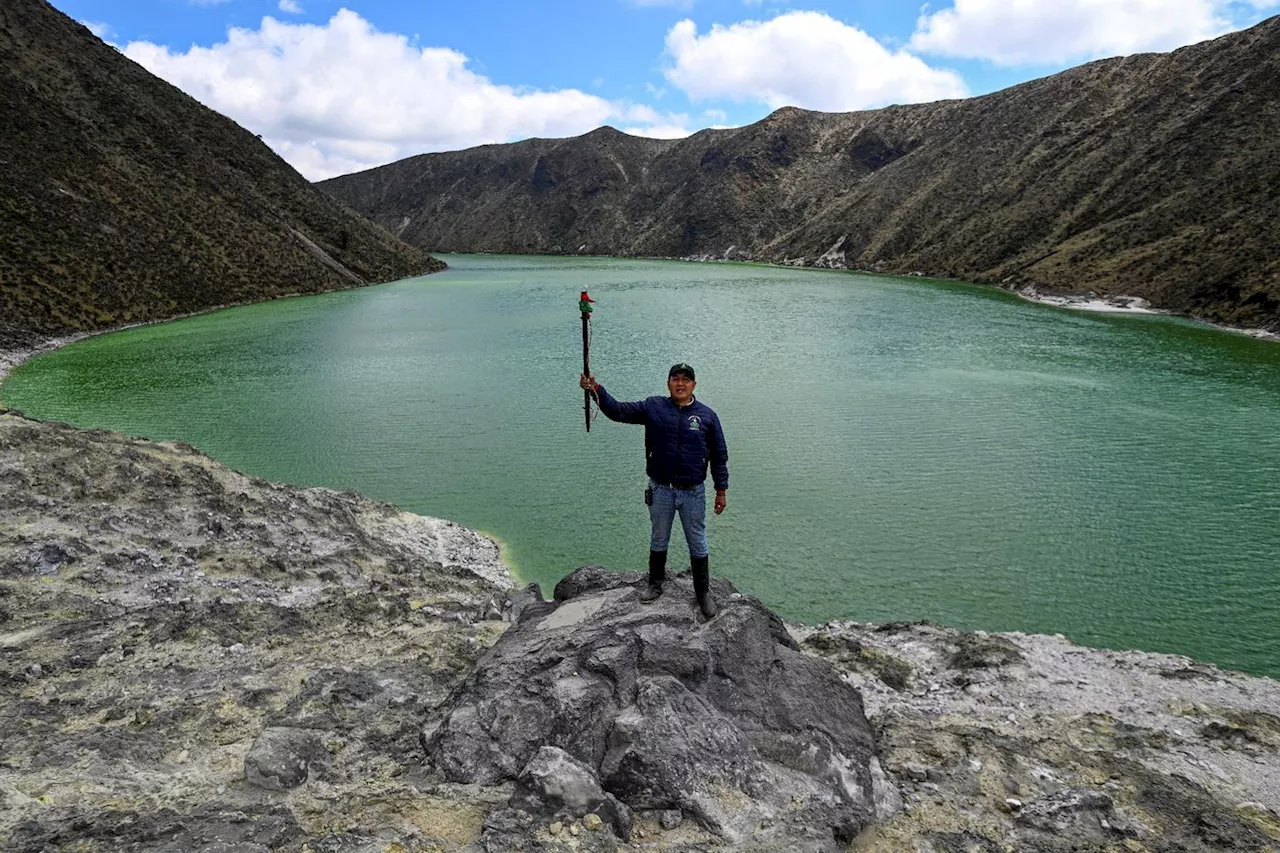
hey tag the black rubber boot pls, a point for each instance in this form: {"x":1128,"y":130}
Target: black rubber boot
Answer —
{"x":657,"y":574}
{"x":702,"y":587}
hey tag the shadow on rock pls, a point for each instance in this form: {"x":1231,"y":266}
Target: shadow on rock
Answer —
{"x":651,"y":707}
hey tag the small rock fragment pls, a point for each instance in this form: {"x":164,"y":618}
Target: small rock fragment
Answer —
{"x":279,"y":759}
{"x":592,"y":822}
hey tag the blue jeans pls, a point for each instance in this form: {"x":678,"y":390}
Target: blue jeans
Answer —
{"x":692,"y":506}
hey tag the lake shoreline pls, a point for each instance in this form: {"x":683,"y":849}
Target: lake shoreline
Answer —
{"x":1089,"y":301}
{"x":1093,"y":303}
{"x":11,"y":358}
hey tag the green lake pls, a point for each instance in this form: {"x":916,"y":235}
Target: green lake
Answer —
{"x":900,"y":449}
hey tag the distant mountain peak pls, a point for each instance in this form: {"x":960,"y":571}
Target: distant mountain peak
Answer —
{"x":1151,"y":176}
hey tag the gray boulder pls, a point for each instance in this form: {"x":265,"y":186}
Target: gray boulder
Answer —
{"x":280,"y":758}
{"x":556,"y":784}
{"x":725,"y":720}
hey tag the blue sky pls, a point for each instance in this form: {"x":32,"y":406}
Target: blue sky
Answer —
{"x":336,"y":86}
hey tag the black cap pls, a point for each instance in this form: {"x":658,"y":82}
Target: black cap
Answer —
{"x":682,"y":368}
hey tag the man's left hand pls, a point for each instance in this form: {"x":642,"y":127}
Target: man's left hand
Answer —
{"x":722,"y":501}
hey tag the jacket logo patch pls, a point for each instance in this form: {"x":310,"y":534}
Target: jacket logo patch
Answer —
{"x":695,"y":422}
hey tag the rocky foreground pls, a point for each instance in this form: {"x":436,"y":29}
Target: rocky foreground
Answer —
{"x":195,"y":660}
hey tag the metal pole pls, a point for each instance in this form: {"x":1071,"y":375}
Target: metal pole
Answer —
{"x":586,"y":367}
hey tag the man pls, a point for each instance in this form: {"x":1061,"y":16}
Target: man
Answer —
{"x":681,"y":437}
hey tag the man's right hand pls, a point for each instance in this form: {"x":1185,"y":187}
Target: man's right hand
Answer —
{"x":588,"y":383}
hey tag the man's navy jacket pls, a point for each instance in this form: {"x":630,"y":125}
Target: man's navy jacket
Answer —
{"x":678,"y":443}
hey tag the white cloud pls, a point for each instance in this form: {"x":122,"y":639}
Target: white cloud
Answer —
{"x":343,"y":96}
{"x":292,"y":7}
{"x":99,"y":29}
{"x":659,"y":131}
{"x":646,"y":121}
{"x":649,"y":116}
{"x":1053,"y":32}
{"x":803,"y":59}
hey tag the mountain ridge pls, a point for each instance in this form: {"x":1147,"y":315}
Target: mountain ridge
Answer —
{"x":123,"y":200}
{"x":1151,"y":175}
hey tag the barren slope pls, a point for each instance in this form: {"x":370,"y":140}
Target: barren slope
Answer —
{"x":123,"y":200}
{"x":1154,"y":175}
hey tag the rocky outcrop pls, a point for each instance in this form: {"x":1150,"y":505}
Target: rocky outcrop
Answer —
{"x":1150,"y":176}
{"x":192,"y":659}
{"x":123,"y":200}
{"x":724,"y":720}
{"x":1030,"y":743}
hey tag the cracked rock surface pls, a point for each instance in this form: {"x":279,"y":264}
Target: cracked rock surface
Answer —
{"x":1022,"y":742}
{"x":726,"y":719}
{"x":198,"y":660}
